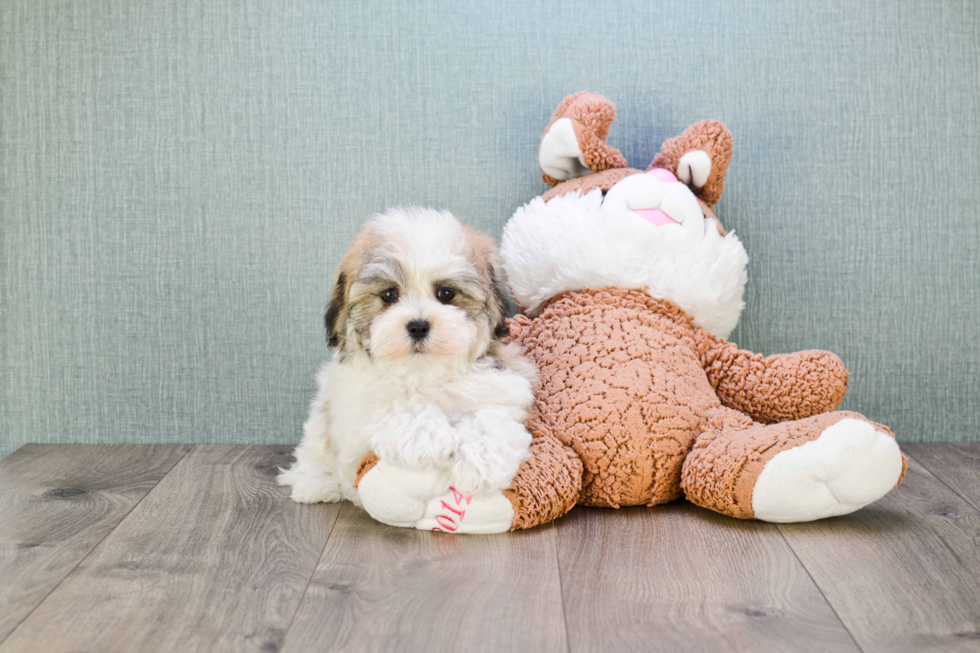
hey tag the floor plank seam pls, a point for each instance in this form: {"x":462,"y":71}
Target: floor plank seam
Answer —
{"x":309,"y":581}
{"x":952,"y":489}
{"x":561,"y":589}
{"x":96,"y":546}
{"x":819,"y":589}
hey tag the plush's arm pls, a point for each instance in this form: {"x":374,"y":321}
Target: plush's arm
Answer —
{"x":775,"y":388}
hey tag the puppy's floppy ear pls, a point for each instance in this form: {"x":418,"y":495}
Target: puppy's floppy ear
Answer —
{"x":498,"y":318}
{"x":485,"y":257}
{"x":338,"y":309}
{"x":335,"y":319}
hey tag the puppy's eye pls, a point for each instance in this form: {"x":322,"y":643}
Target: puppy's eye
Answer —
{"x":390,"y":296}
{"x":445,"y":295}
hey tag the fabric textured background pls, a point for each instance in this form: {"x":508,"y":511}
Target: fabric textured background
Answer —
{"x":179,"y":179}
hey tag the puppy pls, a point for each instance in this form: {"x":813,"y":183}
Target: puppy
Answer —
{"x":419,"y":376}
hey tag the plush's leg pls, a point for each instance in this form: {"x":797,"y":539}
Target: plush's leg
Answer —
{"x":455,"y":512}
{"x":547,"y":484}
{"x":395,"y":495}
{"x":821,"y":466}
{"x":402,"y":497}
{"x":424,"y":499}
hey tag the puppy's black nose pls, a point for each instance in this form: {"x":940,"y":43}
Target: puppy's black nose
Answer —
{"x":418,"y":329}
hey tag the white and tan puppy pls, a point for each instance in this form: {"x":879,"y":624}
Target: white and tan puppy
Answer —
{"x":419,"y":376}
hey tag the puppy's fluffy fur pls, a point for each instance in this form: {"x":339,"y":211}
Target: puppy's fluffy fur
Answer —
{"x":456,"y":398}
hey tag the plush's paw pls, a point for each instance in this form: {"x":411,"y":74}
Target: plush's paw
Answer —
{"x":398,"y":496}
{"x":455,"y":512}
{"x":850,"y":465}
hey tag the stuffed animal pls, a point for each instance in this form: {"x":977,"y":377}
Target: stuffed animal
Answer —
{"x":629,"y":285}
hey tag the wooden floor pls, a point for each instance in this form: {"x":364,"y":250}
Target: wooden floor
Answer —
{"x":194,"y":548}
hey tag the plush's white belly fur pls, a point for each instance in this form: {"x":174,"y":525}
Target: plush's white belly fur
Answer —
{"x":574,"y":242}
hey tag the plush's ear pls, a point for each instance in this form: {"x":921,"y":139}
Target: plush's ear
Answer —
{"x":574,"y":143}
{"x":335,"y":319}
{"x":485,"y":257}
{"x":699,"y":157}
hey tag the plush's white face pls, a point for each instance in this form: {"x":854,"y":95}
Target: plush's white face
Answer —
{"x":417,"y":286}
{"x":647,"y":233}
{"x":658,"y":199}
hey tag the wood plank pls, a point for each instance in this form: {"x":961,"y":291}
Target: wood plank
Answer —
{"x":57,"y":502}
{"x":957,"y":464}
{"x":680,"y":578}
{"x":216,"y":558}
{"x":379,"y":588}
{"x":902,"y":574}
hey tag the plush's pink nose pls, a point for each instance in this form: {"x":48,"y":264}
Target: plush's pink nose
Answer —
{"x":662,"y":175}
{"x":656,"y":216}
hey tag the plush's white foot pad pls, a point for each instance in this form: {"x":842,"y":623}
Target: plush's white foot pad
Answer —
{"x":404,"y":497}
{"x":850,"y":465}
{"x":397,"y":496}
{"x":455,"y":512}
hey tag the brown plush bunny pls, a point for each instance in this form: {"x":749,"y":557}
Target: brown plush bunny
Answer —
{"x":629,"y":287}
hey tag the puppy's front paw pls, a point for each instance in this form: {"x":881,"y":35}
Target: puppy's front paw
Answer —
{"x":397,"y":496}
{"x":493,"y":445}
{"x":419,"y":439}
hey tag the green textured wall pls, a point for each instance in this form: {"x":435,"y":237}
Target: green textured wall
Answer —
{"x":179,"y":179}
